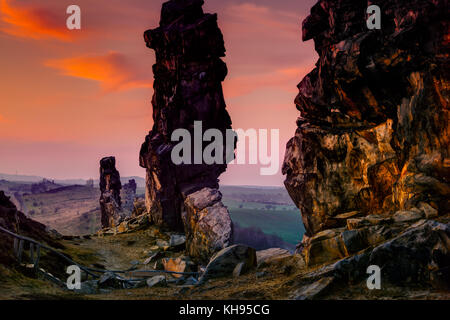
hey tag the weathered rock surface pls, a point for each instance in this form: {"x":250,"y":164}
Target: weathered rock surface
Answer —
{"x":110,"y":186}
{"x":225,"y":262}
{"x":207,"y":224}
{"x":314,"y":290}
{"x":268,"y":255}
{"x":187,"y":88}
{"x":373,"y":132}
{"x":177,"y":242}
{"x":157,"y":281}
{"x":128,"y":196}
{"x":110,"y":280}
{"x":370,"y":157}
{"x":180,"y":264}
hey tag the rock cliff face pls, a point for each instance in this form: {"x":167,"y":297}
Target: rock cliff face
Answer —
{"x":370,"y":155}
{"x":110,"y":186}
{"x":187,"y":88}
{"x":373,"y":134}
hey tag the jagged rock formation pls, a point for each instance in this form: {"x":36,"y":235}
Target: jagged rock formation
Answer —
{"x":15,"y":221}
{"x":110,"y":186}
{"x":187,"y":88}
{"x":371,"y":152}
{"x":128,"y":195}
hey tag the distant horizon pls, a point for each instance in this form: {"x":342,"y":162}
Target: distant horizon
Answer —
{"x":2,"y":174}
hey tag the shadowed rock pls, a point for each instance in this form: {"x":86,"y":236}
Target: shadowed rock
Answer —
{"x":187,"y":88}
{"x":110,"y":186}
{"x":129,"y":195}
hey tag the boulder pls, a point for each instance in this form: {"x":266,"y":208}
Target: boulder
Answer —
{"x":239,"y":269}
{"x":428,"y":210}
{"x":153,"y":256}
{"x":177,"y":241}
{"x":162,"y":244}
{"x":180,"y":264}
{"x":319,"y":252}
{"x":355,"y":223}
{"x":208,"y":227}
{"x":272,"y":254}
{"x":156,"y":281}
{"x":408,"y":216}
{"x":224,"y":262}
{"x":109,"y":280}
{"x":354,"y":241}
{"x":411,"y":258}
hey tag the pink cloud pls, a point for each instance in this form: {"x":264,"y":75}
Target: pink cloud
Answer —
{"x":33,"y":22}
{"x":256,"y":17}
{"x":113,"y":71}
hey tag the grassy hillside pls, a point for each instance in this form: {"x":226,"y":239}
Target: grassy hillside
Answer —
{"x":268,"y":208}
{"x":75,"y":209}
{"x":283,"y":221}
{"x":69,"y":210}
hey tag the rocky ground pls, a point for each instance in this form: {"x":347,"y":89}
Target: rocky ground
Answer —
{"x":275,"y":275}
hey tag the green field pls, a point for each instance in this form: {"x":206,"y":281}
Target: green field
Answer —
{"x":281,"y":220}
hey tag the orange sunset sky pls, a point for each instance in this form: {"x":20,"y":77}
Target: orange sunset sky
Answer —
{"x":69,"y":98}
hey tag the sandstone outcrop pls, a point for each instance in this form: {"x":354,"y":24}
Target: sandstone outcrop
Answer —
{"x":187,"y":88}
{"x":370,"y":156}
{"x":373,"y":128}
{"x":129,"y":195}
{"x":110,"y":186}
{"x":207,"y":224}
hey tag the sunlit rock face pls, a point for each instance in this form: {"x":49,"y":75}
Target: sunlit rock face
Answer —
{"x":207,"y":224}
{"x":187,"y":88}
{"x":373,"y":130}
{"x":110,"y":186}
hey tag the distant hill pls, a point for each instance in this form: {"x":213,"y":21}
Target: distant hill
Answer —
{"x":263,"y":194}
{"x":20,"y":178}
{"x":264,"y":214}
{"x":69,"y":209}
{"x":264,"y":209}
{"x":33,"y":179}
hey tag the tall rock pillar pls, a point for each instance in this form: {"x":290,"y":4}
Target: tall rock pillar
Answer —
{"x":110,"y":186}
{"x":187,"y":88}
